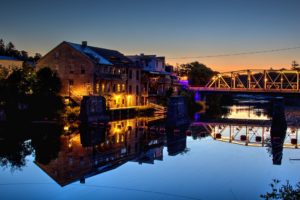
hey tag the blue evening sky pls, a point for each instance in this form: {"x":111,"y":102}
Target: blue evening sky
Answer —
{"x":171,"y":28}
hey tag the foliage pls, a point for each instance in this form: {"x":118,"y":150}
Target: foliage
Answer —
{"x":295,"y":65}
{"x":286,"y":191}
{"x":10,"y":50}
{"x":13,"y":154}
{"x":47,"y":82}
{"x":29,"y":95}
{"x":198,"y":74}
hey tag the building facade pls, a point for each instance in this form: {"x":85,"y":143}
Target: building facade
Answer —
{"x":157,"y":80}
{"x":86,"y":70}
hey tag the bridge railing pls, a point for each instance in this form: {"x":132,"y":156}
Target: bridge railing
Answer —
{"x":255,"y":80}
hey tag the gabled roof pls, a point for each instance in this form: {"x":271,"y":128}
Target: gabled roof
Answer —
{"x":103,"y":56}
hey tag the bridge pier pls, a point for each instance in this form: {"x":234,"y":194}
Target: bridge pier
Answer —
{"x":199,"y":96}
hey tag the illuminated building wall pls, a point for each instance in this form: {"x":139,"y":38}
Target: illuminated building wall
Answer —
{"x":86,"y":70}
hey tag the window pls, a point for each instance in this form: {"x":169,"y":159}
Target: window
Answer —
{"x":97,"y":87}
{"x":103,"y":87}
{"x":119,"y":88}
{"x":130,"y":89}
{"x":114,"y":88}
{"x":56,"y":54}
{"x":56,"y":68}
{"x":123,"y":87}
{"x":71,"y":69}
{"x":71,"y":82}
{"x":82,"y":71}
{"x":130,"y":74}
{"x":137,"y":90}
{"x":137,"y":75}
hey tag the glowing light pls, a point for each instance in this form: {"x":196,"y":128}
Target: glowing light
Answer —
{"x":66,"y":128}
{"x":183,"y":78}
{"x":117,"y":97}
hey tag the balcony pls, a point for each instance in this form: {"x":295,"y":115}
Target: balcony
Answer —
{"x":110,"y":76}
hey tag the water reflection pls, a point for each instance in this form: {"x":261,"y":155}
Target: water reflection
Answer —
{"x":92,"y":150}
{"x":99,"y":149}
{"x":17,"y":142}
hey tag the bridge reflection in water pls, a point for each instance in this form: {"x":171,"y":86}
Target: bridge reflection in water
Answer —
{"x":253,"y":133}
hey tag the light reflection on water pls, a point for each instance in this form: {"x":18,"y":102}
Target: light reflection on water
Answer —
{"x":246,"y":112}
{"x":141,"y":159}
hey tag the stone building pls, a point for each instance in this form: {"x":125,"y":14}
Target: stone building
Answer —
{"x":157,"y":79}
{"x":86,"y":70}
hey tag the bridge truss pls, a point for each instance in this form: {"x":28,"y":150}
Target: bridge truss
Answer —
{"x":256,"y":80}
{"x":248,"y":135}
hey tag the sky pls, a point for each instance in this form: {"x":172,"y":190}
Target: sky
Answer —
{"x":176,"y":29}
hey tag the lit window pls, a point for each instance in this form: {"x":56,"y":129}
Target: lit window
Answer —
{"x":103,"y":87}
{"x":97,"y":87}
{"x":123,"y":87}
{"x":119,"y":88}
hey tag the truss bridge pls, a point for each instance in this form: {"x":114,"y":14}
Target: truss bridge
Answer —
{"x":254,"y":81}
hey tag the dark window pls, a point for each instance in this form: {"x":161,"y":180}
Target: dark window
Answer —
{"x":130,"y":89}
{"x":114,"y":88}
{"x":137,"y":90}
{"x":130,"y":74}
{"x":137,"y":75}
{"x":82,"y":71}
{"x":71,"y":69}
{"x":71,"y":82}
{"x":56,"y":54}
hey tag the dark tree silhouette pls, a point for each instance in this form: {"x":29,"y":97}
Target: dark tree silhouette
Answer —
{"x":198,"y":74}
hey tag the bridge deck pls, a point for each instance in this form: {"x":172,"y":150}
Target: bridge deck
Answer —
{"x":245,"y":90}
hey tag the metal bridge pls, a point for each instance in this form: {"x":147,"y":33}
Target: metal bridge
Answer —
{"x":256,"y":81}
{"x":255,"y":134}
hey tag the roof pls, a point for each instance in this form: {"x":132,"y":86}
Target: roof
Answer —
{"x":103,"y":56}
{"x":8,"y":58}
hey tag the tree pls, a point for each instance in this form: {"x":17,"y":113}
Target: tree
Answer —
{"x":198,"y":74}
{"x":2,"y":47}
{"x":46,"y":102}
{"x":47,"y":82}
{"x":295,"y":65}
{"x":37,"y":56}
{"x":286,"y":191}
{"x":10,"y":49}
{"x":24,"y":55}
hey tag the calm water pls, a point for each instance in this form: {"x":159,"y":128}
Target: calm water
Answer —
{"x":140,"y":159}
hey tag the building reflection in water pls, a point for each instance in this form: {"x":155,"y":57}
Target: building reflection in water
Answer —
{"x":98,"y":149}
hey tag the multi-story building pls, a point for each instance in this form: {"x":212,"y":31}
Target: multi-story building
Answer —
{"x":86,"y":70}
{"x":157,"y":79}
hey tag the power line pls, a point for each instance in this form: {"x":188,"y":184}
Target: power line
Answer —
{"x":240,"y":53}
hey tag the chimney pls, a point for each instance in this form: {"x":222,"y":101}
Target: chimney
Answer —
{"x":84,"y":44}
